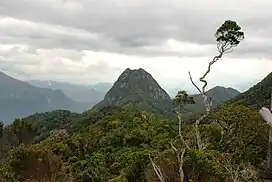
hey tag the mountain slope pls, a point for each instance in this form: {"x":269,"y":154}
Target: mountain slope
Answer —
{"x":258,"y":95}
{"x":138,"y":88}
{"x":219,"y":96}
{"x":76,"y":92}
{"x":20,"y":99}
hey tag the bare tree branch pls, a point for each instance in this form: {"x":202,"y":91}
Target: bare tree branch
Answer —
{"x":194,"y":83}
{"x":233,"y":173}
{"x":157,"y":169}
{"x":173,"y":147}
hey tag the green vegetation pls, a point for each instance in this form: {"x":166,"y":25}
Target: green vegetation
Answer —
{"x":118,"y":144}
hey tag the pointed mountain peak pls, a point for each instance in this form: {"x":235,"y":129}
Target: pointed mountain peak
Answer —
{"x":224,"y":89}
{"x":140,"y":70}
{"x":128,"y":70}
{"x":137,"y":86}
{"x":135,"y":73}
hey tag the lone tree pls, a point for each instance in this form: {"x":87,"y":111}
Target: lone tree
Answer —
{"x":180,"y":101}
{"x":228,"y":36}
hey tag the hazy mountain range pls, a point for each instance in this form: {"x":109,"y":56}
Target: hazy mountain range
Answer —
{"x":20,"y":99}
{"x":219,"y":96}
{"x":133,"y":87}
{"x":80,"y":93}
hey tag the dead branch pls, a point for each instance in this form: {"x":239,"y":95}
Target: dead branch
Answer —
{"x":157,"y":169}
{"x":180,"y":156}
{"x":194,"y":83}
{"x":233,"y":173}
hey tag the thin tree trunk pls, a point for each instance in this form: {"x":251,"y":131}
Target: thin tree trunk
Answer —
{"x":180,"y":134}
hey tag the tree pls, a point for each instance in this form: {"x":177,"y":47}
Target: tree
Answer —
{"x":245,"y":135}
{"x":228,"y":36}
{"x":180,"y":101}
{"x":37,"y":163}
{"x":24,"y":130}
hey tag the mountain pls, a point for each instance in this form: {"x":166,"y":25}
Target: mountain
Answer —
{"x":219,"y":96}
{"x":257,"y":96}
{"x":76,"y":92}
{"x":137,"y":88}
{"x":20,"y":99}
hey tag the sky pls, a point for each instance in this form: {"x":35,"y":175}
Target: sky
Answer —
{"x":91,"y":41}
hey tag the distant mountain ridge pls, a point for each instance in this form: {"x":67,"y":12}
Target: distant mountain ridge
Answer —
{"x":219,"y":96}
{"x":20,"y":99}
{"x":76,"y":92}
{"x":138,"y":88}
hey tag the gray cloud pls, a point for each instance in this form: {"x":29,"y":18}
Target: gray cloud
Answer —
{"x":47,"y":39}
{"x":128,"y":27}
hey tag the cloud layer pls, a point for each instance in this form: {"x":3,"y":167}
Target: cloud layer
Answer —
{"x":88,"y":41}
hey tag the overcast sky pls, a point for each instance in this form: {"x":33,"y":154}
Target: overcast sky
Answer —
{"x":90,"y":41}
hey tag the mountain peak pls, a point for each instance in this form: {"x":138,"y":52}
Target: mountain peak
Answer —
{"x":227,"y":89}
{"x":136,"y":73}
{"x":219,"y":95}
{"x":138,"y":87}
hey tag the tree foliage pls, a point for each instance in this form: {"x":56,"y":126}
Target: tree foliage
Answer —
{"x":24,"y":130}
{"x":228,"y":35}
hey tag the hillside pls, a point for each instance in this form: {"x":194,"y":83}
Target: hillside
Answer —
{"x":258,"y":95}
{"x":139,"y":89}
{"x":115,"y":144}
{"x":219,"y":96}
{"x":20,"y":99}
